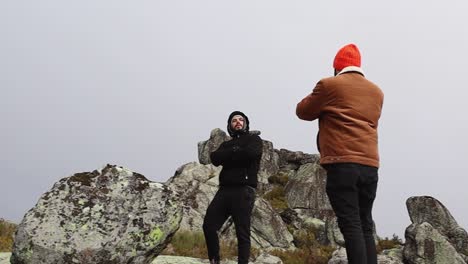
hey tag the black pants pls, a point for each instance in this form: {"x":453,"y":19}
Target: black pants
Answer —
{"x":351,"y":189}
{"x":236,"y":202}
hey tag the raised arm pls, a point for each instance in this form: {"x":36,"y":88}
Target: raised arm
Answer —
{"x":312,"y":105}
{"x":221,"y":155}
{"x":254,"y":149}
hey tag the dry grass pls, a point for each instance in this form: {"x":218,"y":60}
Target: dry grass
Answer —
{"x":7,"y":233}
{"x":276,"y":198}
{"x":192,"y":244}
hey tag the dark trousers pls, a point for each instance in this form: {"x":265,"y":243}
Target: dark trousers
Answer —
{"x":236,"y":202}
{"x":351,"y":189}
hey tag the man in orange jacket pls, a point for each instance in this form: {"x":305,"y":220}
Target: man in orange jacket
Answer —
{"x":348,"y":107}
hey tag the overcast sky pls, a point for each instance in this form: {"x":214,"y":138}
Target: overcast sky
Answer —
{"x":140,"y":83}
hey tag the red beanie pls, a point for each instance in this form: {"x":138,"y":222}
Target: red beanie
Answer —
{"x":347,"y":56}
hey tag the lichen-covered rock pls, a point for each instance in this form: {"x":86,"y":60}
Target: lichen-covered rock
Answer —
{"x":427,"y":209}
{"x":110,"y":216}
{"x":217,"y":136}
{"x":306,"y":194}
{"x":425,"y":245}
{"x":306,"y":190}
{"x":263,"y":258}
{"x":196,"y":184}
{"x":5,"y":257}
{"x":268,"y":229}
{"x":186,"y":260}
{"x":269,"y":162}
{"x":340,"y":257}
{"x":266,"y":258}
{"x":292,"y":160}
{"x":391,"y":256}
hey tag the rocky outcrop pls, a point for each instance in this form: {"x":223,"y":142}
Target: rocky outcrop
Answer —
{"x":425,"y":244}
{"x":196,"y":185}
{"x":434,"y":236}
{"x":304,"y":193}
{"x":292,"y":160}
{"x":108,"y":216}
{"x":115,"y":216}
{"x":306,"y":190}
{"x":269,"y":163}
{"x":268,"y":229}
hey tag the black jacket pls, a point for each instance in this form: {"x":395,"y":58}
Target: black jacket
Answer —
{"x":240,"y":158}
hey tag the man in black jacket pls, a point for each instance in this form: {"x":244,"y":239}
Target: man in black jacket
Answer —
{"x":240,"y":158}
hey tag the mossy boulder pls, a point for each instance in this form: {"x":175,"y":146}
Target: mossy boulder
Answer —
{"x":107,"y":216}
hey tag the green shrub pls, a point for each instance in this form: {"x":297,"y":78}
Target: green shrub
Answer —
{"x":277,"y":198}
{"x":7,"y":232}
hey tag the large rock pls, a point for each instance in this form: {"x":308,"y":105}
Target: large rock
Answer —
{"x":425,"y":245}
{"x":110,"y":216}
{"x":340,"y":257}
{"x":306,"y":189}
{"x":306,"y":194}
{"x":269,"y":163}
{"x":217,"y":136}
{"x":427,"y":209}
{"x":266,"y":258}
{"x":434,"y":235}
{"x":197,"y":184}
{"x":268,"y":229}
{"x":292,"y":160}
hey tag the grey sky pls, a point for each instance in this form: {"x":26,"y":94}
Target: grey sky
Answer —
{"x":139,"y":83}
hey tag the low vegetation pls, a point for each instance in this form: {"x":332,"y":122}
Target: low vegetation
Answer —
{"x":309,"y":250}
{"x":7,"y":232}
{"x":192,"y":244}
{"x":276,"y":197}
{"x":389,"y":243}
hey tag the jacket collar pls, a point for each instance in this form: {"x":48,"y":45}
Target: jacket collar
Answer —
{"x":351,"y":69}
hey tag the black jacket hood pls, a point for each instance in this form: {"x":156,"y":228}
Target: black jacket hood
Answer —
{"x":246,"y":127}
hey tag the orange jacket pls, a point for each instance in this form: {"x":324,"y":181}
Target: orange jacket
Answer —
{"x":348,"y":107}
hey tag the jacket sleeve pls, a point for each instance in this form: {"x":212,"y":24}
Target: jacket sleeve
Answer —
{"x":221,"y":155}
{"x":312,"y":105}
{"x":252,"y":150}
